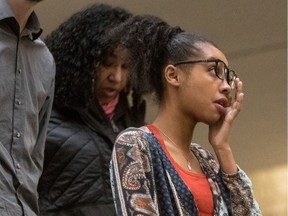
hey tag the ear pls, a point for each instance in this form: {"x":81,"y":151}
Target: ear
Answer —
{"x":172,"y":75}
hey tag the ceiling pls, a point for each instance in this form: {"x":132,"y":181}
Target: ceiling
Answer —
{"x":253,"y":35}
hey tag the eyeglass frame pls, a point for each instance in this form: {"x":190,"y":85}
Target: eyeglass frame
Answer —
{"x":226,"y":69}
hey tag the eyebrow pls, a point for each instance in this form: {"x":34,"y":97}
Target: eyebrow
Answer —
{"x":212,"y":58}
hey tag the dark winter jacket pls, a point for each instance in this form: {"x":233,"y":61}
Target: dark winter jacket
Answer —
{"x":75,"y":180}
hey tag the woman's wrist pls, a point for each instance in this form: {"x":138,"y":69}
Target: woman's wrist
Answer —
{"x":226,"y":159}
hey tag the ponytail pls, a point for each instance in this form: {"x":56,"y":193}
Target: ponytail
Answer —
{"x":146,"y":38}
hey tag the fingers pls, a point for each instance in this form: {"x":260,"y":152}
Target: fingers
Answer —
{"x":239,"y":93}
{"x":237,"y":103}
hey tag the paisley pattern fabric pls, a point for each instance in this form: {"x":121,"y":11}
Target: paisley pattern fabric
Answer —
{"x":144,"y":182}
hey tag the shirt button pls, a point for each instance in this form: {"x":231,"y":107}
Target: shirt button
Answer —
{"x":19,"y":70}
{"x":18,"y":102}
{"x":18,"y":166}
{"x":18,"y":134}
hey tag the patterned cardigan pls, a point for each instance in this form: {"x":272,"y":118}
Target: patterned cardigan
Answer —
{"x":144,"y":182}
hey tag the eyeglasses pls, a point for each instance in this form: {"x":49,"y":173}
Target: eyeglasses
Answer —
{"x":221,"y":70}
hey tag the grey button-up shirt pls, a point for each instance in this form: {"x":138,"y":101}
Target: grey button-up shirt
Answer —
{"x":27,"y":73}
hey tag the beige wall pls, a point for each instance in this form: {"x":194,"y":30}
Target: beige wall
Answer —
{"x":253,"y":34}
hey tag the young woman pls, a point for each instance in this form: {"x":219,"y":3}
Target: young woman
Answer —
{"x":90,"y":109}
{"x":156,"y":169}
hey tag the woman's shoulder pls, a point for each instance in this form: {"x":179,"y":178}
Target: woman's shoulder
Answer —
{"x":134,"y":136}
{"x":135,"y":131}
{"x":57,"y":121}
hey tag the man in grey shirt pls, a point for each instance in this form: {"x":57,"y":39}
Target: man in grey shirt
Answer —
{"x":27,"y":73}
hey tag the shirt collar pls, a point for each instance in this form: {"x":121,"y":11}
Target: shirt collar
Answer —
{"x":32,"y":29}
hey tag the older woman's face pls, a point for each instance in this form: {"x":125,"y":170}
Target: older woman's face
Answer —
{"x":112,"y":77}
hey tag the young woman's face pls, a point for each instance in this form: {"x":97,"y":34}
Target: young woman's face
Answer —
{"x":112,"y":77}
{"x":203,"y":95}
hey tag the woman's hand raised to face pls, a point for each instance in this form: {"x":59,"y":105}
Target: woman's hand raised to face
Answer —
{"x":219,"y":132}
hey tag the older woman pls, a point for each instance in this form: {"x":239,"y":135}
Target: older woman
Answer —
{"x":90,"y":109}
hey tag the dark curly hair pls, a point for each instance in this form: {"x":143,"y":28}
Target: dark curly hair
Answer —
{"x":77,"y":50}
{"x":152,"y":44}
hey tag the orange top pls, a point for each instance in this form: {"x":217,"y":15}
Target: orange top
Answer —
{"x":196,"y":182}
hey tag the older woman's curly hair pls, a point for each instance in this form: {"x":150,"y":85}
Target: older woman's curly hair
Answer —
{"x":77,"y":50}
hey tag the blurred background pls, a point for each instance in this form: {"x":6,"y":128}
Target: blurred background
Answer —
{"x":253,"y":35}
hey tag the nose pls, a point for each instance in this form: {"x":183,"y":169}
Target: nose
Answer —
{"x":116,"y":74}
{"x":225,"y":87}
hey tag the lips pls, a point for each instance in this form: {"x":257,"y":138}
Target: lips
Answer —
{"x":221,"y":104}
{"x":110,"y":92}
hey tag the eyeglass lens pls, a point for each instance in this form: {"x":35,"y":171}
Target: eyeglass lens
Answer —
{"x":224,"y":73}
